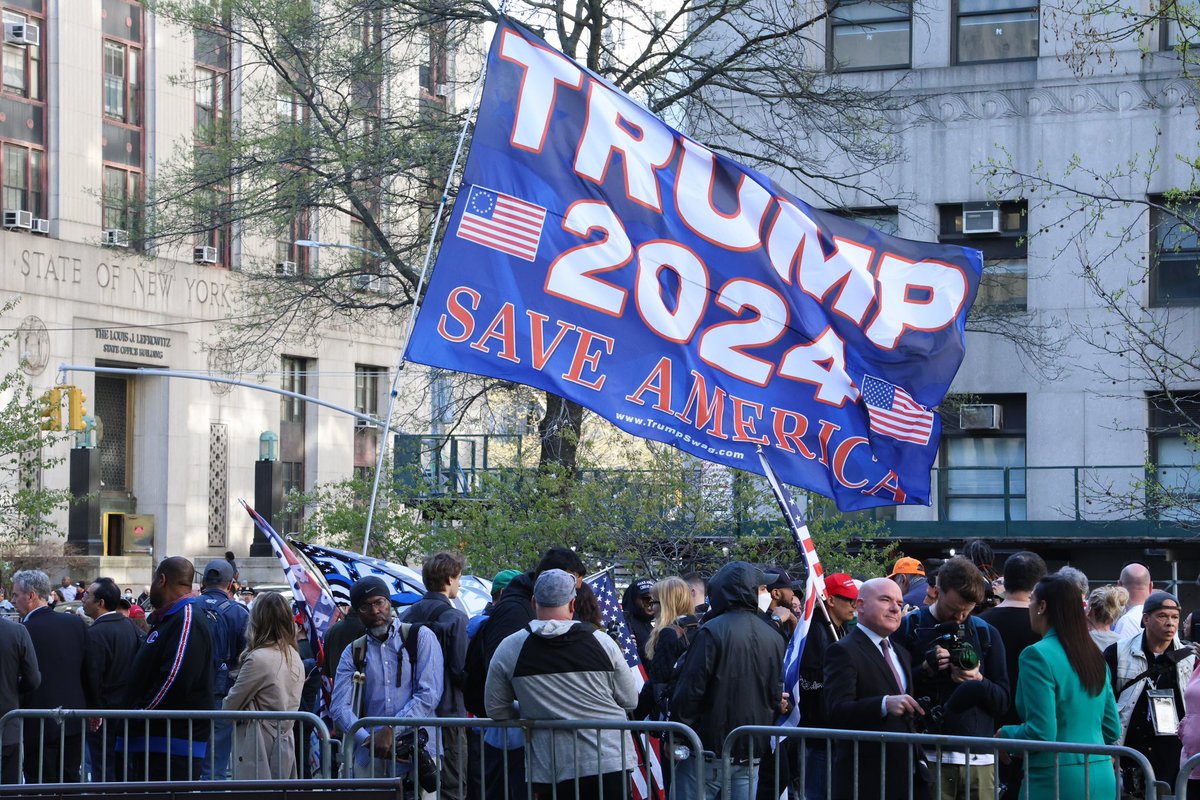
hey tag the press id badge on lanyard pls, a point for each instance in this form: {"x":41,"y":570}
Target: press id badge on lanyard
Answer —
{"x":1161,"y":709}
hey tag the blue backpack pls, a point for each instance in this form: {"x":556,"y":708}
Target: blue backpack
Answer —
{"x":223,"y":624}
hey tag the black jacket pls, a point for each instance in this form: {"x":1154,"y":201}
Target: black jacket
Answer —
{"x":671,"y":645}
{"x":856,"y":680}
{"x":972,"y":708}
{"x":638,"y":621}
{"x":512,"y":612}
{"x":338,"y":638}
{"x":733,"y":672}
{"x":113,"y":641}
{"x":60,"y":641}
{"x":173,"y":671}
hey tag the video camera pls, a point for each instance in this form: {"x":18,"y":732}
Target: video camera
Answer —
{"x":951,"y":637}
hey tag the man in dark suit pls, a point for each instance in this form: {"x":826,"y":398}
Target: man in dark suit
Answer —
{"x":60,"y":642}
{"x":867,"y":680}
{"x":112,"y":643}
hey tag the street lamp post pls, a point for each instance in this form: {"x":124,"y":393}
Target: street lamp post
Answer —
{"x":337,"y":245}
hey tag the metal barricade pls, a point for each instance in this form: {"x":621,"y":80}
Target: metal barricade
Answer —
{"x":749,"y":746}
{"x":656,"y":747}
{"x":1181,"y":780}
{"x":140,"y":728}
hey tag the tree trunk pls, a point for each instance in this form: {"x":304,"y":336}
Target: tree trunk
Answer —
{"x":559,"y":431}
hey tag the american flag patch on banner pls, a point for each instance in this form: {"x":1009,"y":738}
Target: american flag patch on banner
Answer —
{"x":502,"y":222}
{"x":894,"y":413}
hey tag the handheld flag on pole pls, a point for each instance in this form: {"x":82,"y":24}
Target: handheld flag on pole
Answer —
{"x":601,"y":583}
{"x":814,"y":589}
{"x":316,"y":601}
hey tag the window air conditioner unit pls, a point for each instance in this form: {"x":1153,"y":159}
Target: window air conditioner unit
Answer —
{"x":115,"y":237}
{"x":15,"y":218}
{"x":981,"y":221}
{"x":362,"y":423}
{"x":981,"y":417}
{"x":21,"y":33}
{"x":286,"y":269}
{"x":204,"y":255}
{"x":41,"y":226}
{"x":441,"y":89}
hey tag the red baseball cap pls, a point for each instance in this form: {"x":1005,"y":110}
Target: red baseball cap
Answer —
{"x":136,"y":611}
{"x":842,"y":585}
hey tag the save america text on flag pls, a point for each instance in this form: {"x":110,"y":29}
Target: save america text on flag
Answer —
{"x":684,"y":297}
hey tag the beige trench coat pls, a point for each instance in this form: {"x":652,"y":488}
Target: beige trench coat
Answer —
{"x":270,"y":679}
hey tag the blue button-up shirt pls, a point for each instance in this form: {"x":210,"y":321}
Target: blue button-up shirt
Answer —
{"x":382,"y":696}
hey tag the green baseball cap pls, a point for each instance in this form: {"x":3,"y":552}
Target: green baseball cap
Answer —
{"x":503,"y":579}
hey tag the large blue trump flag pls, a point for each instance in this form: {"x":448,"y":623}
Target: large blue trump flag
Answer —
{"x":597,"y":253}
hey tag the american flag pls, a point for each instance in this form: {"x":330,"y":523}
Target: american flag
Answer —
{"x":502,"y":222}
{"x":894,"y":413}
{"x":814,"y":587}
{"x":614,"y":620}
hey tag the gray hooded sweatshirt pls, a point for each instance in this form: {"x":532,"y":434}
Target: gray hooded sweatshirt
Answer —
{"x":561,"y":669}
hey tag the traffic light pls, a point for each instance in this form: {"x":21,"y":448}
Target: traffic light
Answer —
{"x":75,"y":410}
{"x":51,"y":409}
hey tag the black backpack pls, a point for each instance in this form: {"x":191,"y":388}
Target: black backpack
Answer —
{"x":475,"y":674}
{"x":220,"y":625}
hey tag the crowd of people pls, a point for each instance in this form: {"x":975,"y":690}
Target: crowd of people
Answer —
{"x":950,"y":647}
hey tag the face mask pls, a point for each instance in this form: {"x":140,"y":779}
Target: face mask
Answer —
{"x":128,"y":595}
{"x":764,"y":601}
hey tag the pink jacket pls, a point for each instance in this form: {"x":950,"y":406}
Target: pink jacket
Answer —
{"x":1189,"y":726}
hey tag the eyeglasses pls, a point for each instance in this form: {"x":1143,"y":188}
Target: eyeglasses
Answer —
{"x":375,"y":604}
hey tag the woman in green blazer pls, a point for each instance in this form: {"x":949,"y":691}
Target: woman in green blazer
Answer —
{"x":1064,"y":695}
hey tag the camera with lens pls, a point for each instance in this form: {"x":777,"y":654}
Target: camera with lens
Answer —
{"x":931,"y":721}
{"x":951,"y":637}
{"x":426,"y":769}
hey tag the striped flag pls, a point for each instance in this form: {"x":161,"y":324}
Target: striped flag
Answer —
{"x":502,"y":222}
{"x":341,"y":569}
{"x":315,"y":600}
{"x":814,"y":587}
{"x":894,"y":413}
{"x":614,"y":619}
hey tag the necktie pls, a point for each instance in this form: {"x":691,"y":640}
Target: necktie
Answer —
{"x":887,"y":656}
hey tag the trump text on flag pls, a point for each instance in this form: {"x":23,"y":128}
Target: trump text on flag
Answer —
{"x":684,"y":297}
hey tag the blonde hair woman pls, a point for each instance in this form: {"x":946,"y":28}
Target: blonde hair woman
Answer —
{"x":270,"y":679}
{"x":674,"y":627}
{"x":1104,"y":607}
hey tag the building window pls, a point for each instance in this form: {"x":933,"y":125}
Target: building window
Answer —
{"x":995,"y":30}
{"x":982,"y":474}
{"x":122,"y":83}
{"x":1000,"y":231}
{"x":295,"y":379}
{"x":286,"y":249}
{"x":121,"y":197}
{"x":22,"y":63}
{"x":24,"y":179}
{"x":368,"y":382}
{"x":1174,"y":489}
{"x":870,"y":34}
{"x":212,"y":104}
{"x":434,"y":73}
{"x":293,"y":483}
{"x":1174,"y":252}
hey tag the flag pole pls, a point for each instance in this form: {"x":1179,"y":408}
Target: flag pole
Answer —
{"x":798,"y":527}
